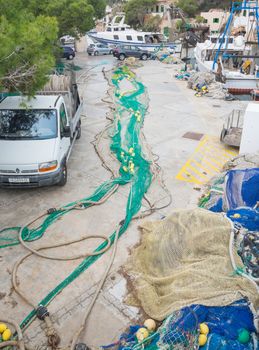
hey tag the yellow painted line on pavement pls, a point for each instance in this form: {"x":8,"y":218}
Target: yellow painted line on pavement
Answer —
{"x":207,"y":160}
{"x":201,"y":166}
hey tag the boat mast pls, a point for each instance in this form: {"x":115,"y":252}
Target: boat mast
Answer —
{"x":238,"y":6}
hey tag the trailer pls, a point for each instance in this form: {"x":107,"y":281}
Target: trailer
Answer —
{"x":232,"y":129}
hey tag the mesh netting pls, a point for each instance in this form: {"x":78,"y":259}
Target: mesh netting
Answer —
{"x":184,"y":260}
{"x":180,"y":331}
{"x":131,"y":105}
{"x":236,"y":192}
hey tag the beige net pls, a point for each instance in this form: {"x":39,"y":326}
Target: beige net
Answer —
{"x":185,"y":260}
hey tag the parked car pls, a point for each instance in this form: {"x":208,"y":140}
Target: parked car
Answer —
{"x":122,"y":52}
{"x":68,"y":52}
{"x":99,"y":49}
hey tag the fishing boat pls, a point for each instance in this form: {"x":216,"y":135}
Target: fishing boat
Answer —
{"x":234,"y":55}
{"x":117,"y":32}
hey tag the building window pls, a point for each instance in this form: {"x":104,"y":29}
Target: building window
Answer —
{"x":140,"y":38}
{"x":116,"y":37}
{"x":129,"y":37}
{"x":162,"y":8}
{"x":157,"y":8}
{"x":152,"y":9}
{"x":215,"y":20}
{"x":205,"y":20}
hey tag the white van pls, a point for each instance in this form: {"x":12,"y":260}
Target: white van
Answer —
{"x":37,"y":136}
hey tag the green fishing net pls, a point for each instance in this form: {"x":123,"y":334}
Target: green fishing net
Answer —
{"x":131,"y":105}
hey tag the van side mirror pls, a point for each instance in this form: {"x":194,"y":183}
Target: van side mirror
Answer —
{"x":66,"y":132}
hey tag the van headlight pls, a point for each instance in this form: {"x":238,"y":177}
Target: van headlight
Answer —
{"x":43,"y":167}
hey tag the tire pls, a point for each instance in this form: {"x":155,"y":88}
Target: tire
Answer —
{"x":144,"y":57}
{"x":79,"y":131}
{"x":70,"y":57}
{"x":63,"y":179}
{"x":89,"y":54}
{"x":122,"y":57}
{"x":111,"y":52}
{"x":96,"y":53}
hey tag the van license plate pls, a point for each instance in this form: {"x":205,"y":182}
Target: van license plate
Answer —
{"x":19,"y":179}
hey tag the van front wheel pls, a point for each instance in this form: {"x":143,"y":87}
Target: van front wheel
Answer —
{"x":63,"y":179}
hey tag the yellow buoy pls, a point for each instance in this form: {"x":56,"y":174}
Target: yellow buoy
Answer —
{"x":6,"y":334}
{"x":142,"y":334}
{"x":150,"y":325}
{"x":237,"y":216}
{"x":204,"y":329}
{"x":3,"y":327}
{"x":202,"y":339}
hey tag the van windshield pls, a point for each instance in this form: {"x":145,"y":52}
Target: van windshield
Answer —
{"x":19,"y":124}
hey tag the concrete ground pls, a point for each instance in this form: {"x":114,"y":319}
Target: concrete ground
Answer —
{"x":173,"y":111}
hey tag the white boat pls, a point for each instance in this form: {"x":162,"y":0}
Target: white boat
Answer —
{"x":225,"y":54}
{"x":119,"y":33}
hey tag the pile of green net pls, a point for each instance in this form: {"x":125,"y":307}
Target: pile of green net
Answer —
{"x":131,"y":107}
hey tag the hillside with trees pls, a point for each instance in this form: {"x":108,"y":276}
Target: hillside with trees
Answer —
{"x":29,"y":32}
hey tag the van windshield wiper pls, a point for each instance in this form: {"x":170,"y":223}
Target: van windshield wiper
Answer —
{"x":8,"y":137}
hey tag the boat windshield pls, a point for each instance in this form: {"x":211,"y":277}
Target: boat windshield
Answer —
{"x":23,"y":124}
{"x":154,"y":38}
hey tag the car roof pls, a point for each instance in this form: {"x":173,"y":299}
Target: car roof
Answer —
{"x":21,"y":102}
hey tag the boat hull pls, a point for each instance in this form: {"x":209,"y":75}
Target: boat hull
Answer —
{"x":147,"y":46}
{"x":241,"y":86}
{"x":235,"y":83}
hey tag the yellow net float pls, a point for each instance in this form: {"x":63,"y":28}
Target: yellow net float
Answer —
{"x":204,"y":329}
{"x":150,"y":325}
{"x":142,"y":334}
{"x":6,"y":335}
{"x":3,"y":327}
{"x":202,"y":339}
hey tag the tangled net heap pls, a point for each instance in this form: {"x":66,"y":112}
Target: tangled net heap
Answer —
{"x":182,"y":260}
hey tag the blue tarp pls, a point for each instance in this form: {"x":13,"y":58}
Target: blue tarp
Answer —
{"x":242,"y":188}
{"x":224,"y":325}
{"x":240,"y":197}
{"x":246,"y":217}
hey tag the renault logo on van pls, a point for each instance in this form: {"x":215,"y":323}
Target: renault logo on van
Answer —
{"x":17,"y":170}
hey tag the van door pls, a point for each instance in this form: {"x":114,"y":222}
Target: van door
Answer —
{"x":64,"y":140}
